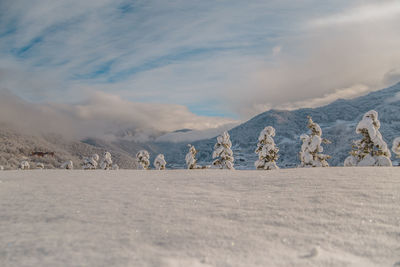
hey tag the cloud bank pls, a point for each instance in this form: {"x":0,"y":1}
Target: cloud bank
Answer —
{"x":101,"y":115}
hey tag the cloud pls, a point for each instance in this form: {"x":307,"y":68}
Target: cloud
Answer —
{"x":229,"y":58}
{"x":318,"y":63}
{"x":371,"y":12}
{"x":190,"y":136}
{"x":101,"y":115}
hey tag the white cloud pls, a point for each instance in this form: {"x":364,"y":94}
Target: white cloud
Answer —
{"x":190,"y":136}
{"x":318,"y":63}
{"x":101,"y":115}
{"x":382,"y":10}
{"x":224,"y":56}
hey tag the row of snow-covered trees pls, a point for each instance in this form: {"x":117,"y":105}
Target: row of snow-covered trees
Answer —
{"x":370,"y":150}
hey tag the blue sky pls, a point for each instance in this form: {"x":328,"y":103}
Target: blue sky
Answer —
{"x":226,"y":58}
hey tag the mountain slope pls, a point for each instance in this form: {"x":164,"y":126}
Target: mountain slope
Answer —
{"x":15,"y":147}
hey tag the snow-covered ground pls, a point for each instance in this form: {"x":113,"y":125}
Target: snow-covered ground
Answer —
{"x":291,"y":217}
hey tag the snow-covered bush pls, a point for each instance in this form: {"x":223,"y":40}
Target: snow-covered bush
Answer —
{"x":143,"y":160}
{"x":159,"y":162}
{"x":396,"y":146}
{"x":106,"y":161}
{"x":90,"y":163}
{"x":115,"y":167}
{"x":266,"y":150}
{"x":39,"y":165}
{"x":190,"y":158}
{"x":311,"y":148}
{"x":1,"y":168}
{"x":68,"y":165}
{"x":371,"y":150}
{"x":24,"y":165}
{"x":223,"y":153}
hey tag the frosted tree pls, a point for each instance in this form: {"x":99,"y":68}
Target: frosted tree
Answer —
{"x":143,"y":160}
{"x":371,"y":150}
{"x":115,"y":167}
{"x":68,"y":165}
{"x":106,"y":161}
{"x":24,"y":165}
{"x":39,"y":165}
{"x":311,"y":148}
{"x":266,"y":150}
{"x":90,"y":163}
{"x":159,"y":162}
{"x":223,"y":153}
{"x":190,"y":158}
{"x":396,"y":146}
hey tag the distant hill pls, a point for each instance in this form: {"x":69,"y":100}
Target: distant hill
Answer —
{"x":15,"y":147}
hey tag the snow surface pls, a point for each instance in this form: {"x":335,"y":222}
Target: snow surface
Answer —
{"x":290,"y":217}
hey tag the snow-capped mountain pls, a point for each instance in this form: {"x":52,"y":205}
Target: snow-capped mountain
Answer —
{"x":337,"y":120}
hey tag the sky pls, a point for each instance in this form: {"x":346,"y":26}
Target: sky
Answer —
{"x":168,"y":65}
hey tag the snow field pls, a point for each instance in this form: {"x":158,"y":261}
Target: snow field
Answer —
{"x":289,"y":217}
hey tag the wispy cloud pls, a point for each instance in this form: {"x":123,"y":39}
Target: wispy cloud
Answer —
{"x":383,"y":10}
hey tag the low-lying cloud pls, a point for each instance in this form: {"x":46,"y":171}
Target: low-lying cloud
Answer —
{"x":101,"y":115}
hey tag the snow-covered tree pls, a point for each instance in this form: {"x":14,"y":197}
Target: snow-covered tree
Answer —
{"x":190,"y":158}
{"x":90,"y":163}
{"x":115,"y":167}
{"x":24,"y":165}
{"x":106,"y":161}
{"x":39,"y":165}
{"x":223,"y":153}
{"x":371,"y":150}
{"x":266,"y":150}
{"x":159,"y":162}
{"x":311,"y":148}
{"x":68,"y":165}
{"x":143,"y":160}
{"x":396,"y":147}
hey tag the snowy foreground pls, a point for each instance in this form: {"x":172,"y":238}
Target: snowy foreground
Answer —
{"x":292,"y":217}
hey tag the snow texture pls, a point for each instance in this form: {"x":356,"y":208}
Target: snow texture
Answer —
{"x":106,"y":161}
{"x":266,"y":150}
{"x":311,"y":148}
{"x":69,"y":165}
{"x":289,"y":217}
{"x":143,"y":160}
{"x":159,"y":162}
{"x":371,"y":150}
{"x":223,"y":154}
{"x":24,"y":165}
{"x":91,"y":162}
